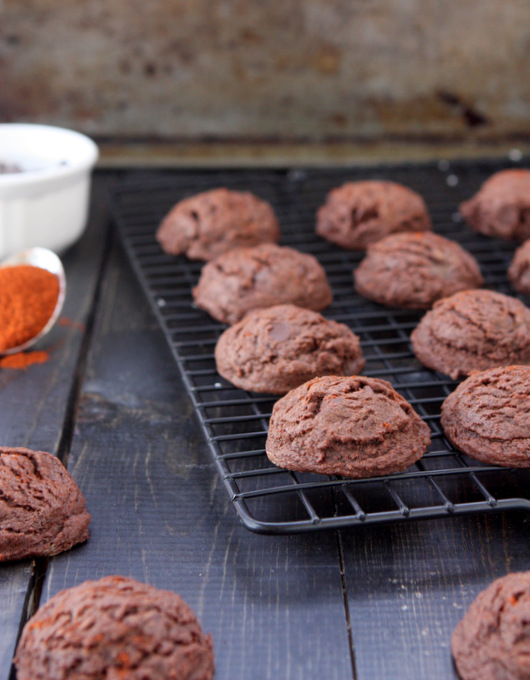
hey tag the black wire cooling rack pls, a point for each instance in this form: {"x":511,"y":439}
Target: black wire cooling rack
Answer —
{"x":268,"y":499}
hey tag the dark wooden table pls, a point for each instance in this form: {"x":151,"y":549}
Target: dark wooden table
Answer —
{"x":373,"y":603}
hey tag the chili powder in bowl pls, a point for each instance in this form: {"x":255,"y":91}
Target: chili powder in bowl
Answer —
{"x":32,"y":292}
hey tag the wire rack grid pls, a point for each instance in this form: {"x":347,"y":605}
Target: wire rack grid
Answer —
{"x":269,"y":499}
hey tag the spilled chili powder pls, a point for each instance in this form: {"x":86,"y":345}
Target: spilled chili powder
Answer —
{"x":23,"y":359}
{"x":76,"y":325}
{"x":28,"y":296}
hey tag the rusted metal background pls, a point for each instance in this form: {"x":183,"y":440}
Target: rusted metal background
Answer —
{"x":268,"y":70}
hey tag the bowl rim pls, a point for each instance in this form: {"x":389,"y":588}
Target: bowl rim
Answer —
{"x":85,"y":161}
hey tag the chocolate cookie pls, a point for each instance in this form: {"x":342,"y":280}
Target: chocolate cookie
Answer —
{"x":276,"y":349}
{"x":210,"y":223}
{"x":352,"y":426}
{"x":519,"y":271}
{"x":491,"y":642}
{"x":502,"y":206}
{"x":251,"y":278}
{"x":359,"y":213}
{"x":471,"y":331}
{"x":488,"y":416}
{"x":42,"y":510}
{"x":114,"y":628}
{"x":413,"y":270}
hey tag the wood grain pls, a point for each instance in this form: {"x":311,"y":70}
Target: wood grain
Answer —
{"x":274,"y":605}
{"x":409,"y":585}
{"x":278,"y":607}
{"x":35,"y":403}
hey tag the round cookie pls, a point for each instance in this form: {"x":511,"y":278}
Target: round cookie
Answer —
{"x":276,"y":349}
{"x":114,"y":628}
{"x":488,"y":416}
{"x":414,"y":269}
{"x":519,"y":270}
{"x":471,"y":331}
{"x":42,"y":510}
{"x":359,"y":213}
{"x":491,"y":641}
{"x":351,"y":426}
{"x":210,"y":223}
{"x":250,"y":278}
{"x":502,"y":206}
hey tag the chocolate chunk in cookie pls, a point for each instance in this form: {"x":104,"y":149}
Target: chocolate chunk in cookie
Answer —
{"x":350,"y":426}
{"x":502,"y":206}
{"x":359,"y":213}
{"x":471,"y":331}
{"x":114,"y":628}
{"x":488,"y":416}
{"x":519,"y":271}
{"x":42,"y":510}
{"x":251,"y":278}
{"x":210,"y":223}
{"x":413,"y":270}
{"x":276,"y":349}
{"x":491,"y":642}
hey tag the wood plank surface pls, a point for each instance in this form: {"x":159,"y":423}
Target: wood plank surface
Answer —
{"x":35,"y":403}
{"x":408,"y":586}
{"x":278,"y":607}
{"x":274,"y":605}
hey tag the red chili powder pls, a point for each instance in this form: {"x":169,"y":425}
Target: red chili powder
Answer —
{"x":28,"y":296}
{"x":76,"y":325}
{"x":23,"y":359}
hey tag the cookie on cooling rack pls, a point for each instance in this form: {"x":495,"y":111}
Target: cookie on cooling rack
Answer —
{"x":359,"y":213}
{"x":412,"y":270}
{"x":488,"y":416}
{"x":210,"y":223}
{"x":471,"y":331}
{"x":492,"y":641}
{"x":244,"y":279}
{"x":502,"y":206}
{"x":43,"y":510}
{"x":278,"y":348}
{"x":351,"y":426}
{"x":114,"y":628}
{"x":519,"y":270}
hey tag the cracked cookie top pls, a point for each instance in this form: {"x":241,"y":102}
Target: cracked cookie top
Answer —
{"x":502,"y":206}
{"x":276,"y":349}
{"x":352,"y":426}
{"x":210,"y":223}
{"x":413,"y":270}
{"x":473,"y":330}
{"x":42,"y":510}
{"x":251,"y":278}
{"x":488,"y":416}
{"x":359,"y":213}
{"x":114,"y":628}
{"x":492,"y":640}
{"x":519,"y":271}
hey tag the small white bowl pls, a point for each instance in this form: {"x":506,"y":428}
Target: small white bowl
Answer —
{"x":47,"y":203}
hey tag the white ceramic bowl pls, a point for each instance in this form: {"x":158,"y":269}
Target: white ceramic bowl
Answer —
{"x":47,"y":203}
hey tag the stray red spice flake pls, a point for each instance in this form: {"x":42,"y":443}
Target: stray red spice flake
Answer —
{"x":22,"y":360}
{"x":39,"y":624}
{"x":76,"y":325}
